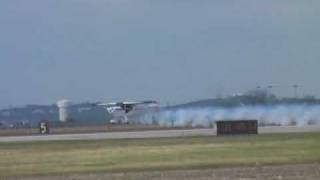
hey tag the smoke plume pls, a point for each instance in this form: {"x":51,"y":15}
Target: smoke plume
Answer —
{"x":266,"y":115}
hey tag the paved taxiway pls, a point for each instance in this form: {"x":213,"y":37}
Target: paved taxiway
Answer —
{"x":151,"y":134}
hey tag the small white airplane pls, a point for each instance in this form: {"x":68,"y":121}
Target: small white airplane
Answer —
{"x":129,"y":112}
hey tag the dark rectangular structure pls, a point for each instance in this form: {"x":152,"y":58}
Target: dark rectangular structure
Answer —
{"x":236,"y":127}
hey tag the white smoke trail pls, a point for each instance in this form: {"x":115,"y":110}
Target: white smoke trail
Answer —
{"x":277,"y":115}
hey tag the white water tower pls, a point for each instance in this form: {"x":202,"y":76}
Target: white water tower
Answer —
{"x":63,"y":106}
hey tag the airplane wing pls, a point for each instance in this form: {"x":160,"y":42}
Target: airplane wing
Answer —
{"x":125,"y":106}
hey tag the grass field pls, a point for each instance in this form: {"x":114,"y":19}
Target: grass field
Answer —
{"x":59,"y":158}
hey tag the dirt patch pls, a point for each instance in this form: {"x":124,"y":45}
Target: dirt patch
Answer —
{"x":283,"y":172}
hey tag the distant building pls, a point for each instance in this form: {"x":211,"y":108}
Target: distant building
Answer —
{"x":64,"y":106}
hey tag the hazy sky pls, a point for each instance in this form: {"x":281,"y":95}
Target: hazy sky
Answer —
{"x":168,"y":50}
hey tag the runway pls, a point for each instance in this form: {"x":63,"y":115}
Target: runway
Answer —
{"x":151,"y":134}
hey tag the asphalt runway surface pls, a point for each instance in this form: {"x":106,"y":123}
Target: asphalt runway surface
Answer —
{"x":152,"y":134}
